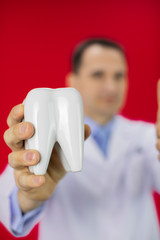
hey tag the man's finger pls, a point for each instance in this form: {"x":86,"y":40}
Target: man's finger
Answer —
{"x":27,"y":181}
{"x":16,"y":115}
{"x":15,"y":135}
{"x":158,"y":92}
{"x":21,"y":159}
{"x":158,"y":129}
{"x":158,"y":101}
{"x":87,"y":131}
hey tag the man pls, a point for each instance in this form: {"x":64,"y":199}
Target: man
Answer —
{"x":111,"y":198}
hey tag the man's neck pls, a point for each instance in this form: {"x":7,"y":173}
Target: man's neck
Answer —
{"x":100,"y":119}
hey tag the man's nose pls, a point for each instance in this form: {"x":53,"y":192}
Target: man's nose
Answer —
{"x":109,"y":85}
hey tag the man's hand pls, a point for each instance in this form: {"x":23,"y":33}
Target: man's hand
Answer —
{"x":33,"y":190}
{"x":158,"y":119}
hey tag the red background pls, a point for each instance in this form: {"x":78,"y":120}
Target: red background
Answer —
{"x":37,"y":38}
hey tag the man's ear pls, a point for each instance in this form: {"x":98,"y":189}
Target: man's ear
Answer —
{"x":70,"y":80}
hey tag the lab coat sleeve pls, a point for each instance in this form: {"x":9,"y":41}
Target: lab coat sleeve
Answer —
{"x":21,"y":224}
{"x":10,"y":213}
{"x":151,"y":156}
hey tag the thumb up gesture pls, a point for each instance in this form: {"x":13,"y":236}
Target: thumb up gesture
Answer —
{"x":158,"y":119}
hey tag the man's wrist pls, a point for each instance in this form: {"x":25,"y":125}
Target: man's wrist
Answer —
{"x":27,"y":204}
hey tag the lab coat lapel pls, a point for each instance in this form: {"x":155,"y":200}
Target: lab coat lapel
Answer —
{"x":118,"y":143}
{"x":108,"y":169}
{"x":120,"y":139}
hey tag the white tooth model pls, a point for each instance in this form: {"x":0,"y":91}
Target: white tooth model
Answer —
{"x":57,"y":116}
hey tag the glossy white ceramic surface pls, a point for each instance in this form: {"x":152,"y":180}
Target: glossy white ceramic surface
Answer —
{"x":57,"y":116}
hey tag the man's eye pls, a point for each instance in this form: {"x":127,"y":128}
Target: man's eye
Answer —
{"x":119,"y":76}
{"x":97,"y":75}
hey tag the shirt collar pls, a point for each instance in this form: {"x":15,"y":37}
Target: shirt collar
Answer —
{"x":97,"y":128}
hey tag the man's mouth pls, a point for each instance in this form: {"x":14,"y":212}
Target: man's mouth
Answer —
{"x":108,"y":99}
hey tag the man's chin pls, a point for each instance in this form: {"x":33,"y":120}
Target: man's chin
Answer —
{"x":107,"y":114}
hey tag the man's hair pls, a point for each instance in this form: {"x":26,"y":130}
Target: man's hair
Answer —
{"x":80,"y":49}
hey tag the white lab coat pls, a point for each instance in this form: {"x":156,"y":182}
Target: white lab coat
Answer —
{"x":110,"y":198}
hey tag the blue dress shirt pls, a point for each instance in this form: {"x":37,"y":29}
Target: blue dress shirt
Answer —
{"x":18,"y":220}
{"x":100,"y":133}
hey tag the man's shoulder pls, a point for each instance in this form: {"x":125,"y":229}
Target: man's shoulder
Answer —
{"x":135,"y":126}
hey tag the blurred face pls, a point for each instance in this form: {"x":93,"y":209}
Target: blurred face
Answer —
{"x":102,"y":81}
